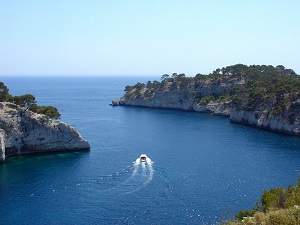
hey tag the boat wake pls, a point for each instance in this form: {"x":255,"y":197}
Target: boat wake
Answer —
{"x":130,"y":180}
{"x":142,"y":175}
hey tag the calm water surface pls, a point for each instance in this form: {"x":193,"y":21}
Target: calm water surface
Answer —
{"x":204,"y":169}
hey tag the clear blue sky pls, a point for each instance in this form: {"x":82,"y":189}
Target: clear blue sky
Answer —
{"x":145,"y":37}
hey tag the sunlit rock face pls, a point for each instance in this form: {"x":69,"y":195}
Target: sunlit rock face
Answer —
{"x":24,"y":132}
{"x":188,"y":97}
{"x":262,"y":119}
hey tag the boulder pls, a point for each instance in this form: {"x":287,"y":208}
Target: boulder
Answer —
{"x":115,"y":102}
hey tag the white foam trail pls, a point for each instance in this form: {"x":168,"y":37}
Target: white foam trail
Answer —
{"x":151,"y":172}
{"x":142,"y":174}
{"x":135,"y":166}
{"x":143,"y":168}
{"x":137,"y":161}
{"x":149,"y":161}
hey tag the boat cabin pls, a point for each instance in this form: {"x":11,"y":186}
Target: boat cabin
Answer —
{"x":143,"y":158}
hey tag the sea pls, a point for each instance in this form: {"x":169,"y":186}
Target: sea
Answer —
{"x":202,"y":169}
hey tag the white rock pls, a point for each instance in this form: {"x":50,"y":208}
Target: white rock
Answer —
{"x":266,"y":121}
{"x":174,"y":97}
{"x":23,"y":132}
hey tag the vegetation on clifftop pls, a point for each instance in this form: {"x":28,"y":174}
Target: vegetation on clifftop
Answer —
{"x":278,"y":206}
{"x":27,"y":101}
{"x":256,"y":87}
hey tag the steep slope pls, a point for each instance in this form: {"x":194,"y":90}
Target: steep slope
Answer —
{"x":263,"y":96}
{"x":24,"y":132}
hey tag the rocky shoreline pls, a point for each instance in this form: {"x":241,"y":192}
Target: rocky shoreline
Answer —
{"x":265,"y":97}
{"x":259,"y":119}
{"x":24,"y":132}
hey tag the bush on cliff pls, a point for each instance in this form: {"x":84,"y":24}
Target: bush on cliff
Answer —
{"x":275,"y":90}
{"x":23,"y":100}
{"x":278,"y":206}
{"x":50,"y":111}
{"x":4,"y":95}
{"x":27,"y":101}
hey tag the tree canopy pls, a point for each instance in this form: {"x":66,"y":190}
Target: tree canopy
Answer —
{"x":278,"y":206}
{"x":4,"y":95}
{"x":50,"y":111}
{"x":28,"y":101}
{"x":276,"y":89}
{"x":24,"y":100}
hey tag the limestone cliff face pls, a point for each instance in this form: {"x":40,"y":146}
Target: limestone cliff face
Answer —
{"x":190,"y":97}
{"x":262,"y":119}
{"x":23,"y":132}
{"x":217,"y":108}
{"x":2,"y":145}
{"x":183,"y":97}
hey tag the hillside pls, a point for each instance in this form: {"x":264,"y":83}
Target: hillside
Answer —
{"x":27,"y":128}
{"x":263,"y":96}
{"x":278,"y":206}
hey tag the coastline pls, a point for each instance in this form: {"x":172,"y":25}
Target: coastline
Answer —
{"x":24,"y":132}
{"x":262,"y":96}
{"x":243,"y":122}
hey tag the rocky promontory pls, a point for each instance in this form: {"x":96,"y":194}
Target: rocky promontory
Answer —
{"x":262,"y":96}
{"x":23,"y":132}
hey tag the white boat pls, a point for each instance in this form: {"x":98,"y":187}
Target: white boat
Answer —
{"x":143,"y":158}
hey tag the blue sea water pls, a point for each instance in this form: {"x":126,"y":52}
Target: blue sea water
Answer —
{"x":204,"y":169}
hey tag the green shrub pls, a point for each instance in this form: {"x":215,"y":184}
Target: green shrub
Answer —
{"x":49,"y":111}
{"x":245,"y":213}
{"x":206,"y":99}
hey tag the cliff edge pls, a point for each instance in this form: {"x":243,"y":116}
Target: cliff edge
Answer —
{"x":262,"y":96}
{"x":23,"y":132}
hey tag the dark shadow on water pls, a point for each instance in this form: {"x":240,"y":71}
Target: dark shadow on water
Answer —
{"x":46,"y":155}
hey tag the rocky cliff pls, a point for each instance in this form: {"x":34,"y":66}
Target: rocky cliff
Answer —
{"x":257,"y":118}
{"x":186,"y":96}
{"x":24,"y":132}
{"x":260,"y":96}
{"x":263,"y":119}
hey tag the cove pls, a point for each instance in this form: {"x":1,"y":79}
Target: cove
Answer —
{"x":205,"y":169}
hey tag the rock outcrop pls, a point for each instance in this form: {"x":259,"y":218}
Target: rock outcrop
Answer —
{"x":184,"y":97}
{"x":2,"y":145}
{"x":263,"y":119}
{"x":256,"y":118}
{"x":24,"y":132}
{"x":115,"y":102}
{"x":249,"y":97}
{"x":217,"y":108}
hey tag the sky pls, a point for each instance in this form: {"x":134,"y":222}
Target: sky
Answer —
{"x":146,"y":37}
